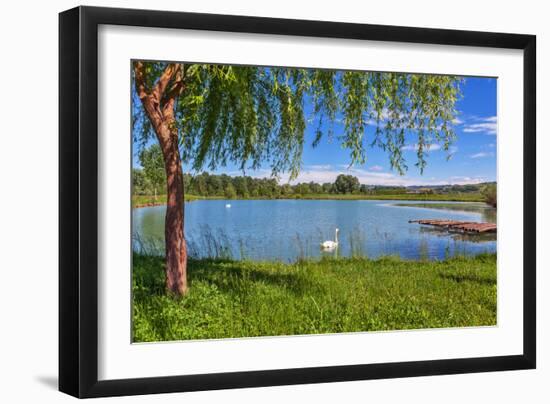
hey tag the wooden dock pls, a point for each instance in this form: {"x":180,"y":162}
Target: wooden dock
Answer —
{"x":459,"y":226}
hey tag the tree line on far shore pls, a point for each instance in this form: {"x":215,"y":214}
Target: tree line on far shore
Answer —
{"x":231,"y":187}
{"x":150,"y":180}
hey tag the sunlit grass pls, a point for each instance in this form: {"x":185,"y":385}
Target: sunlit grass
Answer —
{"x":465,"y":197}
{"x":149,"y":200}
{"x":230,"y":299}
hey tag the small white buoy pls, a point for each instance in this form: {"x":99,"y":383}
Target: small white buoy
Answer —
{"x":227,"y":205}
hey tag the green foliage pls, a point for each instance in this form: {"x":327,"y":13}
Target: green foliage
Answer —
{"x":230,"y":192}
{"x":490,"y":194}
{"x":140,"y":183}
{"x":255,"y":115}
{"x":346,"y":184}
{"x":211,"y":185}
{"x":153,"y":167}
{"x":206,"y":185}
{"x":230,"y":299}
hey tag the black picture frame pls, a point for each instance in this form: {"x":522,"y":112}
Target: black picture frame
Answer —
{"x":78,"y":201}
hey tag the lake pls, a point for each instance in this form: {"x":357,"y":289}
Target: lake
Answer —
{"x":290,"y":229}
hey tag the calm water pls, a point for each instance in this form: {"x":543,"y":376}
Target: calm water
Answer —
{"x":289,"y":229}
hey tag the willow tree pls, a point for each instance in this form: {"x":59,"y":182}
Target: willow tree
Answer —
{"x":210,"y":115}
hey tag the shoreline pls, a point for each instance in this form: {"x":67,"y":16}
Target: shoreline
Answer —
{"x":399,"y":198}
{"x":148,"y":205}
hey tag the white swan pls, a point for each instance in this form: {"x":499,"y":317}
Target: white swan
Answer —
{"x":329,"y":244}
{"x":227,"y":205}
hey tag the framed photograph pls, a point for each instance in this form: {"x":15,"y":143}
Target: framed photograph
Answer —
{"x":251,"y":202}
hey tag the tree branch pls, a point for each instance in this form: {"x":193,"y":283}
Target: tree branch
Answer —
{"x":164,"y":79}
{"x":174,"y":91}
{"x":140,"y":80}
{"x":151,"y":100}
{"x":170,"y":95}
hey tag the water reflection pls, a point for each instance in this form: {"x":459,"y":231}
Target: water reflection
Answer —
{"x":469,"y":237}
{"x":488,"y":213}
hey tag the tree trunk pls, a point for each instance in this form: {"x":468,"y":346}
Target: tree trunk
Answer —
{"x":158,"y":104}
{"x":176,"y":248}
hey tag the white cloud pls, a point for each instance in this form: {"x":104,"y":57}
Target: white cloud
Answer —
{"x":486,"y":125}
{"x":462,"y":180}
{"x":376,"y":168}
{"x":427,"y":147}
{"x":480,"y":155}
{"x":365,"y":176}
{"x":319,"y":167}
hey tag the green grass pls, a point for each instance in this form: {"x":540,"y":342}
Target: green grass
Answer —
{"x":473,"y":197}
{"x":229,"y":299}
{"x":472,"y":207}
{"x":148,"y":200}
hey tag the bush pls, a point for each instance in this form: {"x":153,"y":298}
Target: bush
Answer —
{"x":490,"y":195}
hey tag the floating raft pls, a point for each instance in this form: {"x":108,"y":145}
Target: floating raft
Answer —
{"x":459,"y":226}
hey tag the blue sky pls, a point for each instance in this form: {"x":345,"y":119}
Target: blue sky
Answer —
{"x":473,"y":157}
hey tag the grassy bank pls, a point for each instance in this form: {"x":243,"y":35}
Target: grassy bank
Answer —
{"x":148,"y":200}
{"x":398,"y":197}
{"x":243,"y":299}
